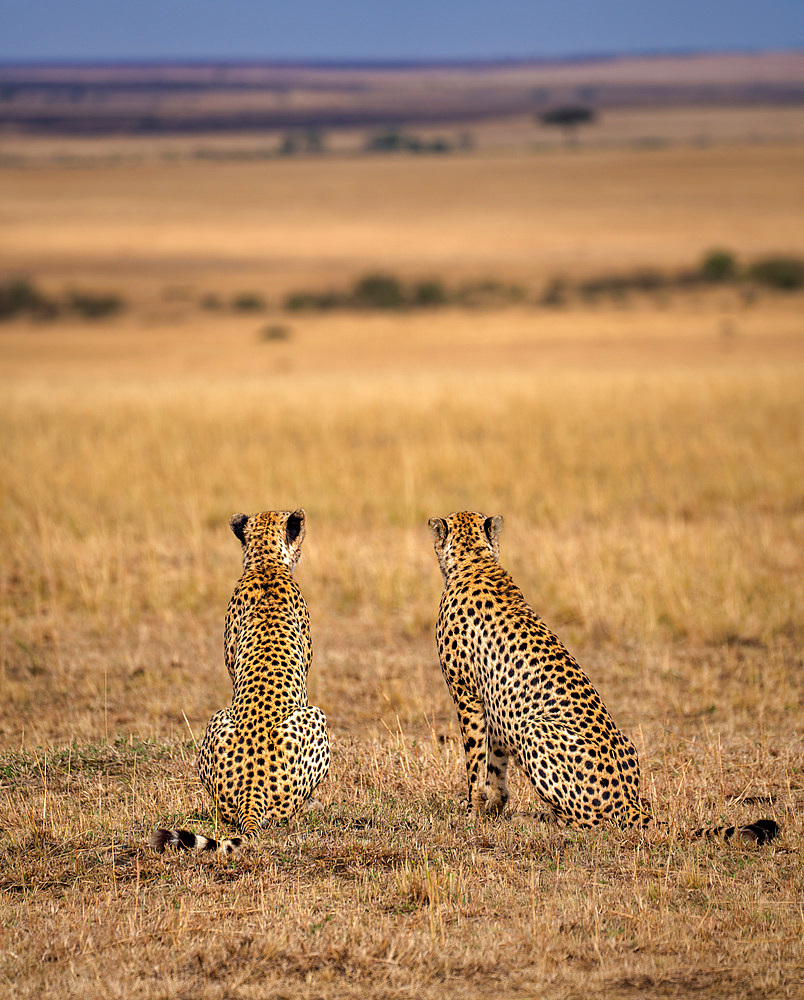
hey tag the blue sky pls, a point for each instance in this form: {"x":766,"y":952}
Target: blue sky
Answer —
{"x":387,"y":29}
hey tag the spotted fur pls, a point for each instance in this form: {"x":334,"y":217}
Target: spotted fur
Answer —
{"x":520,"y":695}
{"x":262,"y":758}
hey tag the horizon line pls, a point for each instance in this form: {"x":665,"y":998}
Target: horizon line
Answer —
{"x":436,"y":62}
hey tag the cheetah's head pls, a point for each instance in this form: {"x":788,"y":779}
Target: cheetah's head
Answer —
{"x":274,"y":536}
{"x":463,"y":538}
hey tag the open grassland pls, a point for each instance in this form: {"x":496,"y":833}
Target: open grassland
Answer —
{"x":647,"y":458}
{"x":189,"y":229}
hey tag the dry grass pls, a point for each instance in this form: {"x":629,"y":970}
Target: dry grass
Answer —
{"x":209,"y":227}
{"x":648,"y":466}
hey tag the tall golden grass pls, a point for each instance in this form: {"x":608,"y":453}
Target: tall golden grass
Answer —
{"x":652,"y":504}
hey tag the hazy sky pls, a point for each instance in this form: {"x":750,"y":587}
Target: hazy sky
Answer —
{"x":386,"y":29}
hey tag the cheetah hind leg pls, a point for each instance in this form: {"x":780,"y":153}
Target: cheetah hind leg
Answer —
{"x":215,"y":758}
{"x":297,"y":763}
{"x":578,"y":780}
{"x":495,"y":792}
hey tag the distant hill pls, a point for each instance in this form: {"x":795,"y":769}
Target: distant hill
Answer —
{"x":163,"y":98}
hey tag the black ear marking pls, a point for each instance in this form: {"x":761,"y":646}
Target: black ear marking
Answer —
{"x":237,"y":522}
{"x":438,"y":526}
{"x":295,"y":525}
{"x":492,"y":527}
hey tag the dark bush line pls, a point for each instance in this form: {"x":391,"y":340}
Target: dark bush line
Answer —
{"x":393,"y":140}
{"x":20,"y":298}
{"x":386,"y":292}
{"x":783,"y":272}
{"x":94,"y":305}
{"x":718,"y":267}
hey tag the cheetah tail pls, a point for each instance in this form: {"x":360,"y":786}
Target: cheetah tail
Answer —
{"x":186,"y":840}
{"x":761,"y":832}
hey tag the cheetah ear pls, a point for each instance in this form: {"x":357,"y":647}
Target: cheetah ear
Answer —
{"x":237,"y":522}
{"x":438,"y":526}
{"x":294,"y":529}
{"x":492,"y":527}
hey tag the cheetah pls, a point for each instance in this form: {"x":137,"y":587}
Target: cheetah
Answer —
{"x":520,"y":695}
{"x":262,"y":758}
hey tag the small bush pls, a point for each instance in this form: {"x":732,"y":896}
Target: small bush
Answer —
{"x":275,"y":331}
{"x":617,"y":286}
{"x":378,"y":291}
{"x":718,"y":266}
{"x":394,"y":141}
{"x":290,"y":145}
{"x":429,"y":294}
{"x":94,"y":305}
{"x":646,"y":280}
{"x":568,"y":115}
{"x":488,"y":293}
{"x":210,"y":301}
{"x":308,"y":301}
{"x":248,"y":302}
{"x":555,"y":294}
{"x":782,"y":272}
{"x":388,"y":141}
{"x":19,"y":297}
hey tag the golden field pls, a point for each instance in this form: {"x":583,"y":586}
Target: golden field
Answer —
{"x":646,"y":456}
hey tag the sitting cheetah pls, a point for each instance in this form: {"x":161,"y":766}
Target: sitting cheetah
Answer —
{"x":520,"y":694}
{"x":262,"y":757}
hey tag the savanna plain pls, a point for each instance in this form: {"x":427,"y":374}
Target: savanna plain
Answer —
{"x":645,"y":451}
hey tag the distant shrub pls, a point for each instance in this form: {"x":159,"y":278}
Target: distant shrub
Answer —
{"x":617,"y":286}
{"x":718,"y":265}
{"x":646,"y":279}
{"x":210,"y":301}
{"x":311,"y":141}
{"x":290,"y":145}
{"x":302,"y":301}
{"x":275,"y":331}
{"x":488,"y":293}
{"x":783,"y":272}
{"x":555,"y":293}
{"x":388,"y":141}
{"x":392,"y":140}
{"x":568,"y":115}
{"x":19,"y":297}
{"x":429,"y":294}
{"x":15,"y":295}
{"x":248,"y":302}
{"x":378,"y":291}
{"x":94,"y":305}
